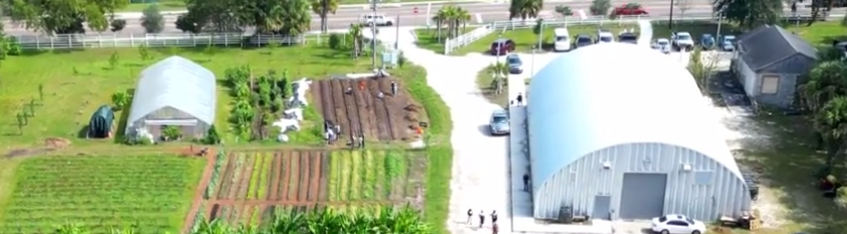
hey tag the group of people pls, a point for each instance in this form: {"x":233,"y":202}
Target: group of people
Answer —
{"x":481,"y":214}
{"x":380,"y":95}
{"x":331,"y":132}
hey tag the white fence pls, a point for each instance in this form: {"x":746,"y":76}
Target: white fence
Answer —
{"x":467,"y":38}
{"x":82,"y":41}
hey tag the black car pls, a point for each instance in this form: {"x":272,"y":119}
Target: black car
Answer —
{"x":582,"y":40}
{"x":628,"y":37}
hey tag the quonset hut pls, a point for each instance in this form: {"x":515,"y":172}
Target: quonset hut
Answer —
{"x":174,"y":92}
{"x":618,"y":131}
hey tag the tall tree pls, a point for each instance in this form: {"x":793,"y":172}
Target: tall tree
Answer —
{"x":63,"y":16}
{"x":152,"y":19}
{"x":750,"y":13}
{"x":461,"y":17}
{"x":296,"y":18}
{"x":213,"y":15}
{"x":827,"y":81}
{"x":525,"y":8}
{"x":323,"y":8}
{"x":358,"y":39}
{"x":440,"y":18}
{"x":600,"y":7}
{"x":817,"y":6}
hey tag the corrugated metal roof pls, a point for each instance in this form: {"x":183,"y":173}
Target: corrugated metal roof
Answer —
{"x":610,"y":94}
{"x":769,"y":44}
{"x":178,"y":83}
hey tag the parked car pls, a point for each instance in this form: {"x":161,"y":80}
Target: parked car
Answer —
{"x":582,"y":40}
{"x":515,"y":64}
{"x":499,"y":123}
{"x":677,"y":224}
{"x":630,"y":9}
{"x":707,"y":42}
{"x":604,"y":36}
{"x":563,"y":39}
{"x":682,"y":41}
{"x":378,"y":19}
{"x":628,"y":37}
{"x":502,"y":46}
{"x":663,"y":45}
{"x":728,"y":43}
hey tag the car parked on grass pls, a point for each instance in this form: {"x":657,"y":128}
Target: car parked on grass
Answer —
{"x":630,"y":9}
{"x":677,"y":224}
{"x":707,"y":42}
{"x":682,"y":41}
{"x":563,"y":39}
{"x":502,"y":46}
{"x":515,"y":64}
{"x":727,"y":43}
{"x":663,"y":45}
{"x":582,"y":40}
{"x":499,"y":123}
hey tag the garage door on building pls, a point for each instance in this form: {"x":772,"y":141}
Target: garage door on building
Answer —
{"x":642,"y":195}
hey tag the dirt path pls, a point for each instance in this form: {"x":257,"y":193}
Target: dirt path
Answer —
{"x":294,"y":176}
{"x":381,"y":114}
{"x":244,"y":183}
{"x":276,"y":167}
{"x":340,"y":111}
{"x":353,"y":109}
{"x":324,"y":176}
{"x":188,"y":222}
{"x":225,"y":182}
{"x":366,"y":115}
{"x":285,"y":174}
{"x":394,"y":106}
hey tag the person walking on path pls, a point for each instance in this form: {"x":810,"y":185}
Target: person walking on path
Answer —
{"x":337,"y":129}
{"x":520,"y":99}
{"x":526,"y":182}
{"x":494,"y":217}
{"x":470,"y":215}
{"x":393,"y":88}
{"x":481,"y":218}
{"x":362,"y":141}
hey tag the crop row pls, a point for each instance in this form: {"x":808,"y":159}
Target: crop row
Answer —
{"x":365,"y":175}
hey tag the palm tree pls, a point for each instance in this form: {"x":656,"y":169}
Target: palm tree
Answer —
{"x":525,"y":8}
{"x":498,"y":71}
{"x":322,"y":8}
{"x":297,"y":18}
{"x":358,"y":38}
{"x":461,"y":16}
{"x":826,"y":81}
{"x":831,"y":123}
{"x":440,"y":17}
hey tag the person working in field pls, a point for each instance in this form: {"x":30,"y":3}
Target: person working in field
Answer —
{"x":361,"y":84}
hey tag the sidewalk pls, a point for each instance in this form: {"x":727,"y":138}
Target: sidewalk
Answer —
{"x":645,"y":28}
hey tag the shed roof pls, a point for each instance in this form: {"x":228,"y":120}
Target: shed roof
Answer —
{"x":178,"y":83}
{"x":605,"y":95}
{"x":769,"y":44}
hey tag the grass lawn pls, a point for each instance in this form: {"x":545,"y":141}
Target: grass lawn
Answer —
{"x":77,"y":82}
{"x":98,"y":192}
{"x":525,"y":39}
{"x":820,"y":33}
{"x":428,"y":38}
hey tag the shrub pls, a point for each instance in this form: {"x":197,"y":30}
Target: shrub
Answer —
{"x":118,"y":25}
{"x":336,"y":41}
{"x":170,"y":133}
{"x":212,"y":136}
{"x":187,"y":23}
{"x":120,"y":100}
{"x":153,"y":21}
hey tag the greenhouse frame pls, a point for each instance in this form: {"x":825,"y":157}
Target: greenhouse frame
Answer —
{"x":173,"y":92}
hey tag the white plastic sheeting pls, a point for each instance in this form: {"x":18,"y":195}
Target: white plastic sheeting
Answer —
{"x":294,"y":114}
{"x":177,"y":83}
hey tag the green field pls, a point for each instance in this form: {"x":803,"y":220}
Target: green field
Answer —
{"x":101,"y":192}
{"x":373,"y":175}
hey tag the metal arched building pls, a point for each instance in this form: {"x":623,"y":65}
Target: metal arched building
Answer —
{"x":619,"y":131}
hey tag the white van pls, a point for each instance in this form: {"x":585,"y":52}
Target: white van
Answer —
{"x":562,"y":40}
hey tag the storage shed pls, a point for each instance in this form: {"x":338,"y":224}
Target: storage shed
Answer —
{"x":770,"y":63}
{"x":173,"y":92}
{"x":100,"y":125}
{"x":619,"y":131}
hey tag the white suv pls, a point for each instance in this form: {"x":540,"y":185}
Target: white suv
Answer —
{"x":682,"y":41}
{"x":677,"y":224}
{"x":378,"y":20}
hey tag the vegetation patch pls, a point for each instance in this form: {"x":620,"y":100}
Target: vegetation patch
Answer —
{"x":101,"y":192}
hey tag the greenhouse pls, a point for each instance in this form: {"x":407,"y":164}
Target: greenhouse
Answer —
{"x":100,"y":125}
{"x":173,"y":92}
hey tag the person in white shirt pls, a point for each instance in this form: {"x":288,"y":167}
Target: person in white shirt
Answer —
{"x":481,"y":218}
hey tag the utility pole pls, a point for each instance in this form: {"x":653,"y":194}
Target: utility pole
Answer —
{"x":670,"y":17}
{"x":720,"y":22}
{"x":373,"y":32}
{"x":397,"y":35}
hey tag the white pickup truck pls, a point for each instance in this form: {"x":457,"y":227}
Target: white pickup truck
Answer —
{"x":378,"y":20}
{"x":682,"y":41}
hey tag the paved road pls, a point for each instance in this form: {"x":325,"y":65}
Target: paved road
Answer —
{"x":482,"y":12}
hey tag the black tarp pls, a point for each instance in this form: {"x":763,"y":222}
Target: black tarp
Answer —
{"x":101,"y":122}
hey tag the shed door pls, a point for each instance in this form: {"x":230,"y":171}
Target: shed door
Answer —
{"x":643,"y":195}
{"x":602,"y":206}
